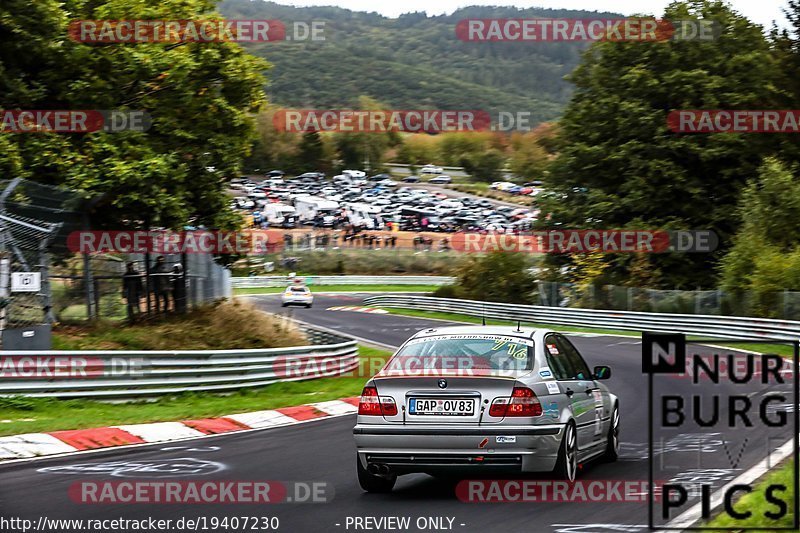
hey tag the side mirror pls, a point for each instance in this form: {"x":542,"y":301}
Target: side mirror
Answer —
{"x":602,"y":372}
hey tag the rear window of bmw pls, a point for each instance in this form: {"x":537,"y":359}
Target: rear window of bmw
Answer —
{"x":481,"y":353}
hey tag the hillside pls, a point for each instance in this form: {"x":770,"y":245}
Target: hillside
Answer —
{"x":413,"y":62}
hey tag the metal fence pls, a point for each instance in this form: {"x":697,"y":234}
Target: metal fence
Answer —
{"x":781,"y":304}
{"x":134,"y":374}
{"x":282,"y":281}
{"x":98,"y":286}
{"x":704,"y":325}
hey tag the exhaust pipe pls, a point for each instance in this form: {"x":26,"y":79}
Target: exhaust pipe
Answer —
{"x":384,"y":469}
{"x":372,"y":468}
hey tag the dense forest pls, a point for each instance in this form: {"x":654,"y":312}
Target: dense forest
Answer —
{"x":413,"y":62}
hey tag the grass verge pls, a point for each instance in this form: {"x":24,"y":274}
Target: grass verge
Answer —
{"x":32,"y":415}
{"x":456,"y":317}
{"x":204,"y":328}
{"x":341,"y":288}
{"x":756,"y":503}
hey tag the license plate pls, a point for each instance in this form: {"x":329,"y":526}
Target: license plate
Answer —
{"x":442,"y":407}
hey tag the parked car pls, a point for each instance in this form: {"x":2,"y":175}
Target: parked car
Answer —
{"x":411,"y":179}
{"x":313,"y":175}
{"x":443,"y":179}
{"x":432,"y":169}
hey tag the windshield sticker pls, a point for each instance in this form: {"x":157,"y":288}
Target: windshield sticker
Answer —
{"x":500,"y":340}
{"x":553,"y":349}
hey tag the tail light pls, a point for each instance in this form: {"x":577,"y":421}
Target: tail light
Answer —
{"x":523,"y":402}
{"x":373,"y":405}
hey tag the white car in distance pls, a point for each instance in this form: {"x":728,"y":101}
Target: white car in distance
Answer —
{"x":431,"y":169}
{"x":297,"y":295}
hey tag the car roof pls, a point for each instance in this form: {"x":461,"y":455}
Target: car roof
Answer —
{"x":511,"y":331}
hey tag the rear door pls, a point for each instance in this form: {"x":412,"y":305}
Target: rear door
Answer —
{"x":576,"y":382}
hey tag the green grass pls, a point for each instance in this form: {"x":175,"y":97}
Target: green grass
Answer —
{"x":756,"y":504}
{"x":341,"y":288}
{"x":31,"y":415}
{"x":457,"y":317}
{"x":779,"y":349}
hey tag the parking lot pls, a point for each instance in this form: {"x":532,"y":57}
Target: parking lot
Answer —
{"x":354,"y":202}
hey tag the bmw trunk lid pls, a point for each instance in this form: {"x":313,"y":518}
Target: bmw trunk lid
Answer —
{"x":443,"y":399}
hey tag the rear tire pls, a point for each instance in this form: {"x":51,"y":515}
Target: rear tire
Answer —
{"x":567,"y":463}
{"x":371,"y":482}
{"x":308,"y":306}
{"x":612,"y":442}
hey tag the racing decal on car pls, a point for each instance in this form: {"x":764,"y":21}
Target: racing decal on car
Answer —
{"x":598,"y":398}
{"x":515,"y":349}
{"x":502,"y":439}
{"x":552,"y":387}
{"x":551,"y":410}
{"x":496,"y":338}
{"x":483,"y":443}
{"x":545,"y":372}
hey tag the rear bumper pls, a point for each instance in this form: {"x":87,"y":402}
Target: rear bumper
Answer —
{"x":297,"y":301}
{"x":408,"y":449}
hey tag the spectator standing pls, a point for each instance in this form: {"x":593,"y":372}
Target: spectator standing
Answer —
{"x":132,"y":290}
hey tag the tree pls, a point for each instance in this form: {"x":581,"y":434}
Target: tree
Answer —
{"x":311,"y":152}
{"x":496,"y":277}
{"x":201,"y":98}
{"x":529,"y":160}
{"x":619,"y":166}
{"x":483,"y":166}
{"x":770,"y":232}
{"x":271,"y":148}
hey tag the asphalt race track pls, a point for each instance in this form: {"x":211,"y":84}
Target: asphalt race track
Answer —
{"x":323,"y":451}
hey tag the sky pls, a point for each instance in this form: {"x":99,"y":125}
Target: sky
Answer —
{"x":760,"y":11}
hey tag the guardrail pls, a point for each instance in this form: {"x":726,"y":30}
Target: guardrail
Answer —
{"x":282,"y":281}
{"x":702,"y":325}
{"x":131,"y":374}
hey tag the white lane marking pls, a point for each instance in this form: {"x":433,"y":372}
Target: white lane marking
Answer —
{"x":262,"y":419}
{"x":693,"y":514}
{"x":32,"y":445}
{"x":336,"y":407}
{"x":130,"y":446}
{"x":598,"y":528}
{"x":161,"y":431}
{"x":355,"y":309}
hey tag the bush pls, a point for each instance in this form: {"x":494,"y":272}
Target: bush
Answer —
{"x":220,"y":326}
{"x":497,"y":277}
{"x":448,"y":291}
